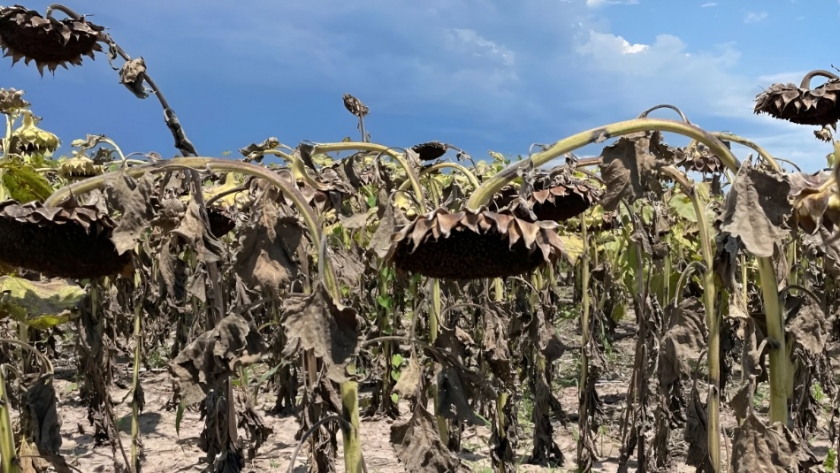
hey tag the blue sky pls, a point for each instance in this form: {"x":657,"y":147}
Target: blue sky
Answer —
{"x":480,"y":74}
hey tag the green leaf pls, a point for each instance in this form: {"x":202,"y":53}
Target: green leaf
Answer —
{"x":682,"y":206}
{"x":573,"y":245}
{"x":39,"y":304}
{"x":395,"y":375}
{"x":384,"y":301}
{"x":24,"y":183}
{"x":267,"y":375}
{"x":395,"y":398}
{"x":396,"y":360}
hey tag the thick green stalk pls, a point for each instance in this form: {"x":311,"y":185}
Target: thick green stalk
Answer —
{"x":585,"y":335}
{"x":437,"y":167}
{"x":434,"y":329}
{"x":749,"y":144}
{"x":595,"y":135}
{"x":502,"y":398}
{"x":9,"y":462}
{"x":712,"y":317}
{"x":776,"y":336}
{"x":399,"y":157}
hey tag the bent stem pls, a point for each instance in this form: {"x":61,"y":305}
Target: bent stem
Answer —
{"x":712,"y":317}
{"x":381,"y":149}
{"x":597,"y":135}
{"x":725,"y":136}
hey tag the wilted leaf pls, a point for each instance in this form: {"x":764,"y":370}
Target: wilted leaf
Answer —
{"x":215,"y":355}
{"x":316,"y":322}
{"x":805,"y":323}
{"x":409,"y":382}
{"x":683,"y":340}
{"x":419,"y":447}
{"x":41,"y":305}
{"x":132,"y":74}
{"x":757,"y":209}
{"x":133,"y":199}
{"x":268,"y":256}
{"x":757,"y":447}
{"x":380,"y":242}
{"x":197,"y":235}
{"x":452,"y":398}
{"x":42,"y":415}
{"x":629,"y":167}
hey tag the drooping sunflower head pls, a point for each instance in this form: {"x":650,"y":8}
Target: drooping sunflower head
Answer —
{"x":25,"y":34}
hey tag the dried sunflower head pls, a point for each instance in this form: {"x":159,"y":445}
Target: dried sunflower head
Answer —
{"x":25,"y":34}
{"x":355,"y":106}
{"x":11,"y":100}
{"x":430,"y":151}
{"x":71,"y":242}
{"x":698,"y":157}
{"x":473,"y":244}
{"x":555,"y":197}
{"x":802,"y":105}
{"x":29,"y":139}
{"x":79,"y":167}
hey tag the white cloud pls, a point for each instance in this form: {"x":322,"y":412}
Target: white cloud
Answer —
{"x":708,"y":4}
{"x":754,"y":17}
{"x":482,"y":47}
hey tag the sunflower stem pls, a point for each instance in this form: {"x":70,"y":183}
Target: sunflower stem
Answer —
{"x":583,"y":398}
{"x":776,"y":336}
{"x":434,"y":330}
{"x":9,"y":462}
{"x":596,"y":135}
{"x":377,"y":148}
{"x":749,"y":144}
{"x":712,"y":316}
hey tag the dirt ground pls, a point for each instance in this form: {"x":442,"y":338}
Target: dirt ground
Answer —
{"x":166,"y":451}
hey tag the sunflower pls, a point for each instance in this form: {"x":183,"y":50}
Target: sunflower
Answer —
{"x":473,"y":244}
{"x":25,"y":34}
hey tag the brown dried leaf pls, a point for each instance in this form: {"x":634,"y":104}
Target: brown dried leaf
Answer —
{"x":197,"y":235}
{"x":805,"y":323}
{"x":268,"y":254}
{"x":629,"y":167}
{"x":215,"y":355}
{"x":133,"y":199}
{"x":132,"y":75}
{"x":419,"y":447}
{"x":410,"y":379}
{"x":682,"y":342}
{"x":757,"y":447}
{"x":452,"y":397}
{"x":380,"y":242}
{"x":757,"y":208}
{"x":316,"y":322}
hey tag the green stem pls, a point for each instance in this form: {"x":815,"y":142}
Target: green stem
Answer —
{"x":437,"y":167}
{"x":712,"y":317}
{"x":749,"y":144}
{"x":434,"y":330}
{"x":595,"y":135}
{"x":376,"y":148}
{"x":585,"y":335}
{"x":776,"y":336}
{"x":8,"y":456}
